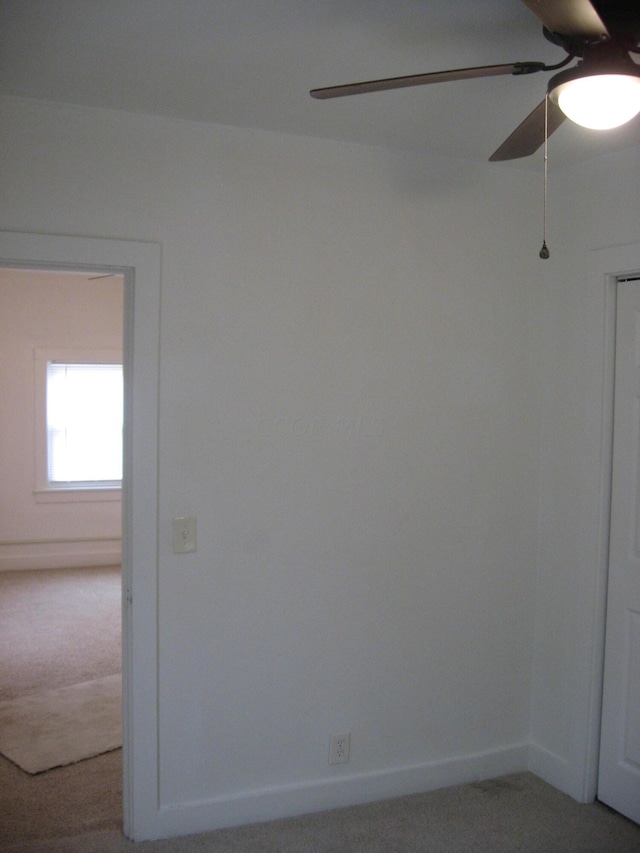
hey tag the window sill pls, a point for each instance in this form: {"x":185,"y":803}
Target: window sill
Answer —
{"x":78,"y":494}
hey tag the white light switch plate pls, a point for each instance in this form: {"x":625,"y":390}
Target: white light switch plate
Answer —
{"x":184,"y":534}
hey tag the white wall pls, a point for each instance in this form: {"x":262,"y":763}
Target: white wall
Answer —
{"x":350,"y":406}
{"x":41,"y":310}
{"x":597,"y":205}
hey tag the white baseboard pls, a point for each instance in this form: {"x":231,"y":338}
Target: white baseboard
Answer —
{"x":289,"y":800}
{"x":551,"y":768}
{"x":60,"y":554}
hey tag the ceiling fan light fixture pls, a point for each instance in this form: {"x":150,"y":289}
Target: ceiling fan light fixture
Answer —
{"x":600,"y":100}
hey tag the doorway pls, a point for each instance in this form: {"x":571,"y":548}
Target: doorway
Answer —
{"x":60,"y":544}
{"x":140,"y":264}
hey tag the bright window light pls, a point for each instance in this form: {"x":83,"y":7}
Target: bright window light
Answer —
{"x":84,"y":423}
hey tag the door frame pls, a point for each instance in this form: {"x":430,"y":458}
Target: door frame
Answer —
{"x":140,"y":264}
{"x":606,"y":267}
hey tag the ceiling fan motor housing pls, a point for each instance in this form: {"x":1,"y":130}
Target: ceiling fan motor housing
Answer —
{"x":610,"y":57}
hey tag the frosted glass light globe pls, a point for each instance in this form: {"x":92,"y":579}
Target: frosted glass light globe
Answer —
{"x":599,"y":101}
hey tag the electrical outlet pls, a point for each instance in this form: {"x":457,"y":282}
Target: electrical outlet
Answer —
{"x":339,"y":747}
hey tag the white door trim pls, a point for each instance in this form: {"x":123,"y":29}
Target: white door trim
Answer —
{"x":606,"y":266}
{"x":140,"y":263}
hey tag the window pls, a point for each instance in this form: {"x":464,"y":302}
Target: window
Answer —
{"x":84,"y":423}
{"x":79,"y":448}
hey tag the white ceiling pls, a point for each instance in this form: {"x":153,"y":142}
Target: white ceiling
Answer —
{"x":252,"y":62}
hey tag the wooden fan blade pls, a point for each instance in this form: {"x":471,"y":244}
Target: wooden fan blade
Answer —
{"x":529,"y":135}
{"x":415,"y":80}
{"x":622,"y":18}
{"x":568,"y":17}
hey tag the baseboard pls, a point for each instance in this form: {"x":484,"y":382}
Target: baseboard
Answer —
{"x":60,"y":554}
{"x":287,"y":801}
{"x":551,"y":768}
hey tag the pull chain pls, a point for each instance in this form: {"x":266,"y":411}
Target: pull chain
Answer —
{"x":544,"y":251}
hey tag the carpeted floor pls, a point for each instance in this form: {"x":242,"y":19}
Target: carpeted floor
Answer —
{"x":68,"y":801}
{"x":514,"y":814}
{"x":59,"y":628}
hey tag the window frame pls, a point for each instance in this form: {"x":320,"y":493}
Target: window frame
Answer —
{"x":56,"y":492}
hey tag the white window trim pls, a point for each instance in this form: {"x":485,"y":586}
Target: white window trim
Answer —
{"x":44,"y":491}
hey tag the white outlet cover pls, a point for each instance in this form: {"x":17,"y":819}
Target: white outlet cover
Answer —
{"x":339,"y":748}
{"x":184,"y":534}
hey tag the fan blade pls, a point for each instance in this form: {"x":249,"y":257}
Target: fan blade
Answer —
{"x":622,"y":17}
{"x":416,"y":80}
{"x":568,"y":17}
{"x":529,"y":135}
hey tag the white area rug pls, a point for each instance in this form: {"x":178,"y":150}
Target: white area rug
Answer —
{"x":62,"y":726}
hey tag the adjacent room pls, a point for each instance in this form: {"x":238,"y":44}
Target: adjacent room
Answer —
{"x":60,"y":580}
{"x":373,"y":506}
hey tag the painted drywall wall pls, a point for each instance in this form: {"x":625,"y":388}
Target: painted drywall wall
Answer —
{"x":597,"y":206}
{"x":46,"y":311}
{"x":349,"y":405}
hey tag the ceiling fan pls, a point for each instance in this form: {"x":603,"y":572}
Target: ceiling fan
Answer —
{"x":600,"y":34}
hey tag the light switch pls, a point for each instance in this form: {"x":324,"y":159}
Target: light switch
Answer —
{"x":184,"y":534}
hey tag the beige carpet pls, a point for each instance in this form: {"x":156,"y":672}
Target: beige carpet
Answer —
{"x":513,"y":814}
{"x":62,"y":726}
